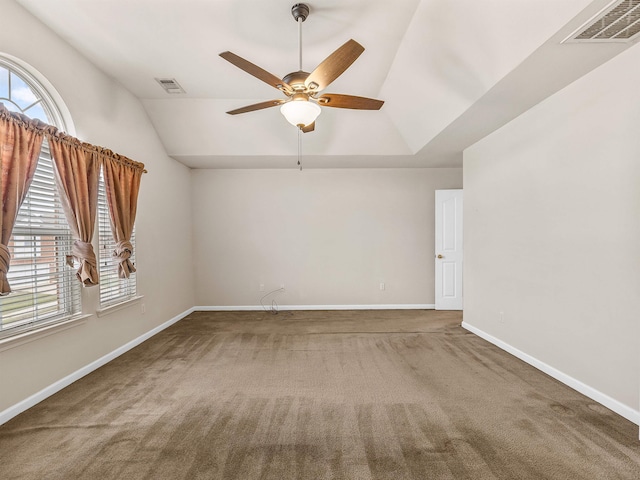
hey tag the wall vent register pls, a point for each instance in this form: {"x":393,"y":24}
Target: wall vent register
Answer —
{"x":618,"y":22}
{"x":170,"y":85}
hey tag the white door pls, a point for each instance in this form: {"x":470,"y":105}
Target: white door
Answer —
{"x":448,"y":255}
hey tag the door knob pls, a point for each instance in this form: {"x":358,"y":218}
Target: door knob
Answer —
{"x":440,"y":256}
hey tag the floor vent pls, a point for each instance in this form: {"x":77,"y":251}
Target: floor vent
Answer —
{"x":617,"y":22}
{"x":170,"y":85}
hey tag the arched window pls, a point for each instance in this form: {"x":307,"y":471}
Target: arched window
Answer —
{"x":20,"y":91}
{"x":44,"y":288}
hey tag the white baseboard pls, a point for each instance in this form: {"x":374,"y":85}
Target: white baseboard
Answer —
{"x":36,"y":398}
{"x":251,"y":308}
{"x":611,"y":403}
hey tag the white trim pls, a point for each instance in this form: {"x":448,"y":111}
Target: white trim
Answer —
{"x":611,"y":403}
{"x":30,"y":334}
{"x":55,"y":387}
{"x":101,"y":312}
{"x":251,"y":308}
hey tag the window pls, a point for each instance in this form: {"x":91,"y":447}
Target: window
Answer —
{"x":21,"y":92}
{"x":113,"y":289}
{"x":44,"y":288}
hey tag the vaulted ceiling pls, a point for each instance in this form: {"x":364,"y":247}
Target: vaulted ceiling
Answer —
{"x":449,"y":71}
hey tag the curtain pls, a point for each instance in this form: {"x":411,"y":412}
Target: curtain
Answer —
{"x":20,"y":142}
{"x":122,"y":183}
{"x":77,"y":168}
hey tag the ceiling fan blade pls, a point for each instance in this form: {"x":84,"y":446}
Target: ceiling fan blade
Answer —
{"x":309,"y":128}
{"x":337,"y":100}
{"x":256,"y":106}
{"x":256,"y":71}
{"x":333,"y":66}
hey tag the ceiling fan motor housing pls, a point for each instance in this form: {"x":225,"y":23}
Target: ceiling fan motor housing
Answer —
{"x":296,"y":80}
{"x":300,"y":10}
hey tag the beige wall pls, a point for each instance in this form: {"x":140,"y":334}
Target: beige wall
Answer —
{"x":330,"y":236}
{"x":552,"y":231}
{"x":106,"y":114}
{"x":552,"y":228}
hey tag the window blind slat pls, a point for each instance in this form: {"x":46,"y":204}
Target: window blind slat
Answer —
{"x":43,"y":286}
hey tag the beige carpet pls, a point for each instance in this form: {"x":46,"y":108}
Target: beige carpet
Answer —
{"x":318,"y":395}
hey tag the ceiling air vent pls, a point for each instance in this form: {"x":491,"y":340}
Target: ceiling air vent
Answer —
{"x":618,"y":22}
{"x":170,"y":85}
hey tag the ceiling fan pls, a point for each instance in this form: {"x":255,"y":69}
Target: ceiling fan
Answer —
{"x":302,"y":89}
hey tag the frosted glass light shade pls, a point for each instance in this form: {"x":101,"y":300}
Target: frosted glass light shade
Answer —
{"x":300,"y":112}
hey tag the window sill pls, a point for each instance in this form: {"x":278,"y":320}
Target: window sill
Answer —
{"x":101,"y":312}
{"x":35,"y":333}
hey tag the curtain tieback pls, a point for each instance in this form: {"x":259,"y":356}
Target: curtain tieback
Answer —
{"x":123,"y":252}
{"x":83,"y":252}
{"x":5,"y":259}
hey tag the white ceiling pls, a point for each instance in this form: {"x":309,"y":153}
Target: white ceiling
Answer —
{"x":449,"y":71}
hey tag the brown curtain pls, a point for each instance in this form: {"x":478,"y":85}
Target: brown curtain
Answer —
{"x":20,"y":142}
{"x":122,"y":181}
{"x":77,"y":168}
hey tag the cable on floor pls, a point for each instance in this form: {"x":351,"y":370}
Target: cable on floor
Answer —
{"x":274,"y":305}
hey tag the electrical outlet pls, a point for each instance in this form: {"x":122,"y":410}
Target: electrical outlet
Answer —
{"x":143,"y":308}
{"x":382,"y":286}
{"x":501,"y":319}
{"x":262,"y":287}
{"x":282,"y":286}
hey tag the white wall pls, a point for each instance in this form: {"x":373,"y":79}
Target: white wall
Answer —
{"x":331,"y":236}
{"x":105,"y":114}
{"x":552,"y":231}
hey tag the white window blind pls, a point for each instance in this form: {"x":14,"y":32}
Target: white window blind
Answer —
{"x":113,"y":289}
{"x":44,"y":288}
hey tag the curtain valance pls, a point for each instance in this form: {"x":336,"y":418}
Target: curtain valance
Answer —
{"x":21,"y":120}
{"x":53,"y":134}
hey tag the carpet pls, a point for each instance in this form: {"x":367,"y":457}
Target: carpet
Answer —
{"x":368,"y":395}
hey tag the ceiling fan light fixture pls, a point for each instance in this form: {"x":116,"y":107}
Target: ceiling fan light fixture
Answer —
{"x":300,"y":113}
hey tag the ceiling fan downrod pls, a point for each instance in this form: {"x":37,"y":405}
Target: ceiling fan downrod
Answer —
{"x":300,"y":12}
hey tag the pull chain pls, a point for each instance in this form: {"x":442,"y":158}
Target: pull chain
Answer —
{"x":299,"y":148}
